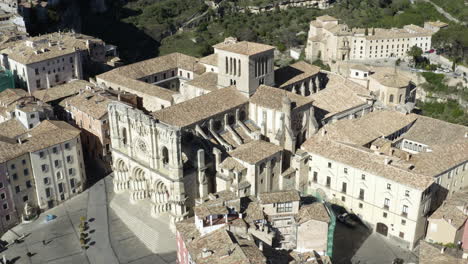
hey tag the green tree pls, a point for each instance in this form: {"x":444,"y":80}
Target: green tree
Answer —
{"x":415,"y":52}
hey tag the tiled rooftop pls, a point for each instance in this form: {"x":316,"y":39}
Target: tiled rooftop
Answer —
{"x":46,"y":134}
{"x":40,"y":48}
{"x":200,"y":108}
{"x":294,"y":73}
{"x":255,"y":151}
{"x":279,"y":197}
{"x":272,"y":98}
{"x":243,"y":47}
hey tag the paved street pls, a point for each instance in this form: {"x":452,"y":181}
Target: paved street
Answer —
{"x":101,"y":251}
{"x":110,"y":241}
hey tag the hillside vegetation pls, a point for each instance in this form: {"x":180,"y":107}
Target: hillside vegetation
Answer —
{"x":456,"y":8}
{"x":288,"y":28}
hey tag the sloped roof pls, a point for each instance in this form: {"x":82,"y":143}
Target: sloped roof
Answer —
{"x":46,"y":134}
{"x":255,"y":151}
{"x":202,"y":107}
{"x":279,"y":197}
{"x":272,"y":98}
{"x":243,"y":47}
{"x":366,"y":160}
{"x":61,"y":91}
{"x":294,"y":73}
{"x":315,"y":211}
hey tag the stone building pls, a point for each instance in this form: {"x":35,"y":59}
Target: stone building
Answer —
{"x":203,"y":137}
{"x":26,"y":109}
{"x":88,"y":111}
{"x":391,"y":169}
{"x":448,"y":223}
{"x":40,"y":166}
{"x":45,"y":61}
{"x":157,"y":81}
{"x":333,"y":42}
{"x":271,"y":222}
{"x":8,"y":102}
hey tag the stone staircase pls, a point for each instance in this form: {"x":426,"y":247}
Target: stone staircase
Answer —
{"x":155,"y":233}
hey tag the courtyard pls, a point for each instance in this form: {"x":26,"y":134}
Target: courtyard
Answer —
{"x":58,"y":241}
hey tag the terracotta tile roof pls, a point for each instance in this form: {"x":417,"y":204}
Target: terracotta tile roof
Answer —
{"x":408,"y":31}
{"x":12,"y":128}
{"x":371,"y":126}
{"x":207,"y":81}
{"x":223,"y":247}
{"x":128,"y":75}
{"x":93,"y":104}
{"x":271,"y":97}
{"x":46,"y":134}
{"x":452,"y":209}
{"x":138,"y":86}
{"x":295,"y":73}
{"x":203,"y":211}
{"x":231,"y":164}
{"x":315,"y":211}
{"x":359,"y":67}
{"x":202,"y":107}
{"x":244,"y":47}
{"x":217,"y":204}
{"x":279,"y":197}
{"x":340,"y":94}
{"x":390,"y":78}
{"x":430,"y":254}
{"x":9,"y":96}
{"x":255,"y":151}
{"x":159,"y":64}
{"x":61,"y":91}
{"x":187,"y":229}
{"x":62,"y":44}
{"x":254,"y":212}
{"x":431,"y":131}
{"x":364,"y":159}
{"x":210,"y":60}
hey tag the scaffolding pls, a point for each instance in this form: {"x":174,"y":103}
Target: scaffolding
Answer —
{"x":6,"y":79}
{"x":331,"y":227}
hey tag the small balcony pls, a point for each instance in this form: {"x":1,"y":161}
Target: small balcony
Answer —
{"x":386,"y":207}
{"x":219,"y":221}
{"x":404,"y":214}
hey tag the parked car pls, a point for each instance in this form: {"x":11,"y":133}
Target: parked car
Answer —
{"x":346,"y":219}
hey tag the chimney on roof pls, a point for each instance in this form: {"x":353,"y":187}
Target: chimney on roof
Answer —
{"x":442,"y":250}
{"x":408,"y":156}
{"x":260,"y":245}
{"x":206,"y":253}
{"x":324,"y":132}
{"x":387,"y":161}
